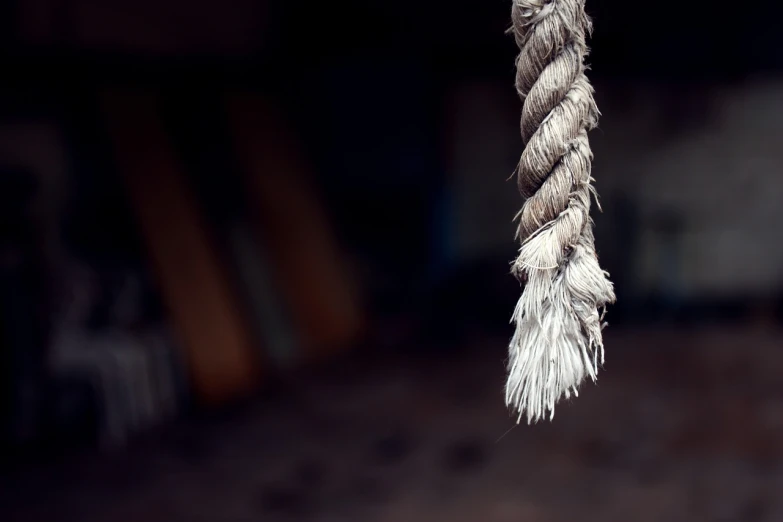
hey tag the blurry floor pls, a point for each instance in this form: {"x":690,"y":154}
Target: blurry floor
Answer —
{"x":682,"y":426}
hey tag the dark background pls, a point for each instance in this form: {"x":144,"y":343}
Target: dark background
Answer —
{"x":405,"y":116}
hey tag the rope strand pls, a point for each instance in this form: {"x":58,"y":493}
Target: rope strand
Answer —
{"x":557,"y":342}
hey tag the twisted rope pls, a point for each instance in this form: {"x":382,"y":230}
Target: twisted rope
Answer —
{"x":557,"y":342}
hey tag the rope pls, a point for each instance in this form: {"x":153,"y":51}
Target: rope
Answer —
{"x":557,"y":342}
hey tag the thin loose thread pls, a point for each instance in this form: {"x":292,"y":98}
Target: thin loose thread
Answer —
{"x":557,"y":342}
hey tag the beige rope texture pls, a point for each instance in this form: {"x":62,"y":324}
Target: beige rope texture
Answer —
{"x":557,"y":342}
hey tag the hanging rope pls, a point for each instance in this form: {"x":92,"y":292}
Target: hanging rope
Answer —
{"x":557,"y":342}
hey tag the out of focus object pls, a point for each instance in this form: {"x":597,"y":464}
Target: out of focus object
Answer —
{"x":261,"y":294}
{"x":480,"y":207}
{"x":145,"y":26}
{"x":24,"y":296}
{"x":304,"y":256}
{"x":204,"y":310}
{"x":133,"y":373}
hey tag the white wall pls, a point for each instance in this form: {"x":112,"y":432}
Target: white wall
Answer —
{"x":724,"y":177}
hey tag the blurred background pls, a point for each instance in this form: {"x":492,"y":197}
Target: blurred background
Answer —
{"x":254,"y":264}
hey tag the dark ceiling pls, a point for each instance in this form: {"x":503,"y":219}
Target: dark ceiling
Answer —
{"x":694,"y":38}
